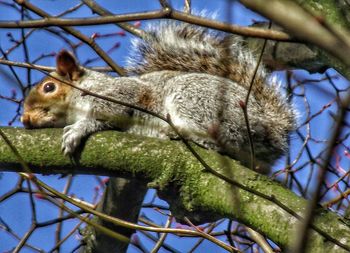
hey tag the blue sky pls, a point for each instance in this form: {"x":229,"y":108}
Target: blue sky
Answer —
{"x":16,"y":211}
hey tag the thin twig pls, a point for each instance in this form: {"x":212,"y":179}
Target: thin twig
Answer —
{"x":104,"y":12}
{"x":303,"y":233}
{"x":75,"y":33}
{"x":187,"y":6}
{"x":163,"y":13}
{"x":246,"y":103}
{"x":163,"y":236}
{"x":260,"y":240}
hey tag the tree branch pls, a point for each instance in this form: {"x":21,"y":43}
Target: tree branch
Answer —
{"x":163,"y":13}
{"x":180,"y":180}
{"x":77,"y":34}
{"x":122,"y":199}
{"x":323,"y":28}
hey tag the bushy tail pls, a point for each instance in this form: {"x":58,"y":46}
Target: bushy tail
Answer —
{"x":187,"y":48}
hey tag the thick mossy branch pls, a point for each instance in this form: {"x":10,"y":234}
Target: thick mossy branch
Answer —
{"x":180,"y":180}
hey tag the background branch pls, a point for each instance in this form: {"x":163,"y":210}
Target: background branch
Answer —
{"x":324,"y":28}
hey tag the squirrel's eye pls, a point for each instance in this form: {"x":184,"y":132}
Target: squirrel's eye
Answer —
{"x":49,"y":87}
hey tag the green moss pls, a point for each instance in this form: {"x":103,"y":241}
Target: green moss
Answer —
{"x":328,"y":9}
{"x":180,"y":180}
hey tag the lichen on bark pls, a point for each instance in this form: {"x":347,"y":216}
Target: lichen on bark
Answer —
{"x":180,"y":179}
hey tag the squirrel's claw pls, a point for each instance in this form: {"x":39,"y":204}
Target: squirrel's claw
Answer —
{"x":70,"y":140}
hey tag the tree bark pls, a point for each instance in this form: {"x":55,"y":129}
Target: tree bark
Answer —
{"x":323,"y":24}
{"x":179,"y":178}
{"x":122,"y":199}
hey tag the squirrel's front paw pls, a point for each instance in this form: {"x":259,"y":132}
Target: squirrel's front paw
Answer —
{"x":71,"y":140}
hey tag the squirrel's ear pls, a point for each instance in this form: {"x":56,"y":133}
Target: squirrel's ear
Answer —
{"x":66,"y":64}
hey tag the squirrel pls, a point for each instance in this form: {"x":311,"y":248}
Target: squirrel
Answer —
{"x":195,"y":76}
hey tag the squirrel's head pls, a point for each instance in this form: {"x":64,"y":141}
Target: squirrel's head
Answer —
{"x":47,"y":103}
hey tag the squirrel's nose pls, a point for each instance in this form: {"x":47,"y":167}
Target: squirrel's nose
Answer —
{"x":25,"y":119}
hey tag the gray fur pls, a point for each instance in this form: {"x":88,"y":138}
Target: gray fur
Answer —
{"x":199,"y":79}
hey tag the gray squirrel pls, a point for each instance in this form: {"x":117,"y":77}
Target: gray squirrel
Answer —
{"x":195,"y":76}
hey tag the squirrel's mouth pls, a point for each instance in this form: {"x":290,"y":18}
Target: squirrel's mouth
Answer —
{"x":31,"y":122}
{"x":25,"y":119}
